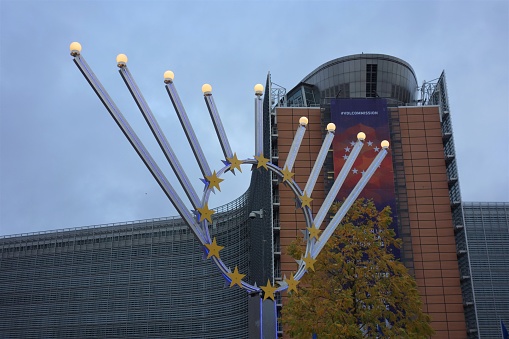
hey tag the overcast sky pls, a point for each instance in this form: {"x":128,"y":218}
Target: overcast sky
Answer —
{"x":65,"y":163}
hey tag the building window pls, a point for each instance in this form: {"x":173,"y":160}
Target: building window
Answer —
{"x":371,"y":78}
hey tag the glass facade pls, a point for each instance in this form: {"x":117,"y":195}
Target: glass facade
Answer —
{"x":143,"y":279}
{"x":487,"y":240}
{"x":357,"y":76}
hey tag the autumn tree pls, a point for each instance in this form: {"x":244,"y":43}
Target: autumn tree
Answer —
{"x":358,"y":288}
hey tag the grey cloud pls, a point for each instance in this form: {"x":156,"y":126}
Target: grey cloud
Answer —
{"x":64,"y":163}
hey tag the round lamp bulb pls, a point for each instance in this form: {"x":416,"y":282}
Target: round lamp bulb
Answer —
{"x":361,"y":136}
{"x":121,"y":60}
{"x":258,"y":89}
{"x":303,"y":121}
{"x":75,"y":48}
{"x":168,"y":76}
{"x":385,"y":144}
{"x":331,"y":127}
{"x":206,"y":89}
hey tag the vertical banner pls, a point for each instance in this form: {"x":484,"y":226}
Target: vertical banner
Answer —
{"x":370,"y":116}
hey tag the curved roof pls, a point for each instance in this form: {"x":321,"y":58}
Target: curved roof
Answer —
{"x":358,"y":57}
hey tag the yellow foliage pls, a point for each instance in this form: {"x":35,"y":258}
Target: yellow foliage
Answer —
{"x":358,"y":289}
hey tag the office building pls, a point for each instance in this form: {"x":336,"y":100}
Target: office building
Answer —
{"x":148,"y":279}
{"x":426,"y":198}
{"x":486,"y":240}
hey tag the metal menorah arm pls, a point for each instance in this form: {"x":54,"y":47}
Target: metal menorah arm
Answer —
{"x":340,"y":179}
{"x":138,"y":146}
{"x":314,"y":248}
{"x":258,"y":123}
{"x":218,"y":125}
{"x":188,"y":129}
{"x":160,"y":137}
{"x":320,"y":159}
{"x":340,"y":214}
{"x":297,"y":140}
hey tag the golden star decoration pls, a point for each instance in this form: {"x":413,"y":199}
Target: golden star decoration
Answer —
{"x":205,"y":213}
{"x":234,"y":163}
{"x":262,"y":161}
{"x":287,"y":174}
{"x":310,"y":262}
{"x":292,"y":284}
{"x":214,"y":180}
{"x":214,"y":249}
{"x":313,"y":232}
{"x":268,"y":290}
{"x":236,"y":277}
{"x":305,"y":200}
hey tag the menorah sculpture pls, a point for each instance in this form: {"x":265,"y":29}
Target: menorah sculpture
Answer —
{"x":200,"y":217}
